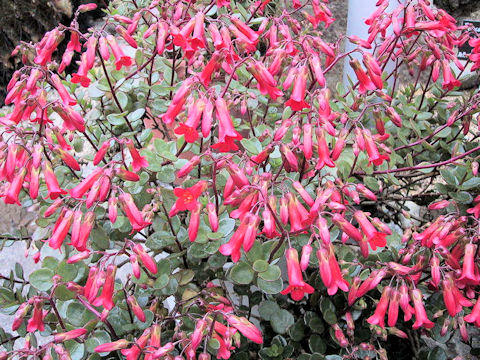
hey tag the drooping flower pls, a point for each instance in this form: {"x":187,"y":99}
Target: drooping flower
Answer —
{"x":421,"y":319}
{"x":246,"y":328}
{"x":226,"y":131}
{"x":106,"y":297}
{"x":297,"y":288}
{"x":297,"y":99}
{"x":138,"y":161}
{"x":374,"y":237}
{"x":120,"y":58}
{"x":134,"y":215}
{"x":244,"y":236}
{"x":378,"y":318}
{"x":36,"y":321}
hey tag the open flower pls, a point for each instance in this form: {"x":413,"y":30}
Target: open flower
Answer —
{"x":297,"y":288}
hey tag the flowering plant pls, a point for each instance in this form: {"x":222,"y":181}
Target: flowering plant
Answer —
{"x":206,"y":193}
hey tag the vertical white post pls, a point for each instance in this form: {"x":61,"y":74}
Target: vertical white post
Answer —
{"x":358,"y":12}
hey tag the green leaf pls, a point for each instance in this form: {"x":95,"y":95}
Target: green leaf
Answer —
{"x":98,"y":338}
{"x":136,"y":115}
{"x":267,"y":308}
{"x":260,"y":266}
{"x":68,"y":272}
{"x":281,"y":321}
{"x":273,"y":273}
{"x":42,"y":279}
{"x":252,"y":145}
{"x":462,"y":197}
{"x":328,"y":311}
{"x":242,"y":273}
{"x":75,"y":349}
{"x":471,"y":183}
{"x":270,"y":287}
{"x":437,"y":353}
{"x":448,"y":176}
{"x":316,"y":344}
{"x":117,"y":119}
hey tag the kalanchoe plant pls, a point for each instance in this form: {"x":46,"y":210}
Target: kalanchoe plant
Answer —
{"x":207,"y":193}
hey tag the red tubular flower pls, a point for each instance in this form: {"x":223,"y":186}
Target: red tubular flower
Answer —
{"x":316,"y":67}
{"x":69,"y":335}
{"x":378,"y":318}
{"x":266,"y":83}
{"x":351,"y":231}
{"x":246,"y":328}
{"x":134,"y":352}
{"x":226,"y":130}
{"x":106,"y":298}
{"x":112,"y":346}
{"x":34,"y":183}
{"x":100,"y":155}
{"x":324,"y":264}
{"x":449,"y":81}
{"x":86,"y":229}
{"x":212,"y":66}
{"x":64,"y":95}
{"x":305,"y":258}
{"x":244,"y":235}
{"x":78,"y":257}
{"x":303,"y":193}
{"x":297,"y":214}
{"x":374,"y":155}
{"x":207,"y":118}
{"x":11,"y":197}
{"x":36,"y":321}
{"x":81,"y":76}
{"x":338,"y":282}
{"x":470,"y":273}
{"x":154,"y":343}
{"x":20,"y":314}
{"x":323,"y":151}
{"x":136,"y":309}
{"x":146,"y":259}
{"x":374,"y":237}
{"x":212,"y":216}
{"x":72,"y":119}
{"x":120,"y":58}
{"x":181,"y":37}
{"x":474,"y":316}
{"x":297,"y":99}
{"x":76,"y":227}
{"x":61,"y":231}
{"x":194,"y":222}
{"x":297,"y":288}
{"x":138,"y":161}
{"x":393,"y":307}
{"x":134,"y":215}
{"x":365,"y":83}
{"x":449,"y":298}
{"x":187,"y":198}
{"x":421,"y":318}
{"x":112,"y":209}
{"x":126,"y":36}
{"x":68,"y":159}
{"x":189,"y":128}
{"x":78,"y":191}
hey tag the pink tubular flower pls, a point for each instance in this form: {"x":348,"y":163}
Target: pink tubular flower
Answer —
{"x":54,"y":190}
{"x":64,"y":95}
{"x":323,"y":151}
{"x":470,"y":274}
{"x":60,"y":232}
{"x":120,"y":58}
{"x":246,"y":328}
{"x":421,"y":318}
{"x":351,"y":231}
{"x":106,"y":298}
{"x":297,"y":288}
{"x":136,"y":309}
{"x":378,"y":318}
{"x":138,"y":161}
{"x":374,"y":237}
{"x":226,"y":130}
{"x":297,"y":100}
{"x":11,"y":197}
{"x":244,"y":236}
{"x":72,"y":119}
{"x":78,"y":191}
{"x":134,"y":352}
{"x":474,"y":316}
{"x":69,"y":335}
{"x":365,"y":83}
{"x":194,"y":222}
{"x":212,"y":216}
{"x":189,"y":128}
{"x":36,"y":321}
{"x":112,"y":346}
{"x":134,"y":215}
{"x":146,"y":259}
{"x":20,"y":314}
